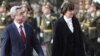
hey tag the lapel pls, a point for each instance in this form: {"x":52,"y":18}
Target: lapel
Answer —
{"x":26,"y":31}
{"x":17,"y":33}
{"x":75,"y":25}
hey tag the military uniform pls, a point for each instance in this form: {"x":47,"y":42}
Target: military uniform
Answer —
{"x":8,"y":20}
{"x":91,"y":31}
{"x":2,"y":26}
{"x":46,"y":26}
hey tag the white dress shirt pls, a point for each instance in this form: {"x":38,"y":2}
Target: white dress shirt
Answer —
{"x":18,"y":27}
{"x":38,"y":20}
{"x":69,"y":23}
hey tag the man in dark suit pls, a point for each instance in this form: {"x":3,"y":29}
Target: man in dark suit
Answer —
{"x":19,"y":38}
{"x":67,"y":37}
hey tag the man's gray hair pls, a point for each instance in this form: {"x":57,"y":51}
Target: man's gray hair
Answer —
{"x":13,"y":10}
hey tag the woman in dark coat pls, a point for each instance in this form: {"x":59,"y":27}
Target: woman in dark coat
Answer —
{"x":67,"y":34}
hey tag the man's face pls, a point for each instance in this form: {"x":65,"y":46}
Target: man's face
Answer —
{"x":20,"y":16}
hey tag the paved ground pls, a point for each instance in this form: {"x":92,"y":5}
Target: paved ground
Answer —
{"x":0,"y":51}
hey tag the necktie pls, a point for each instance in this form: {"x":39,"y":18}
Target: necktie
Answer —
{"x":22,"y":35}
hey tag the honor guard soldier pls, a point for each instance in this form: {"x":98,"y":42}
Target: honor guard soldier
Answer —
{"x":2,"y":18}
{"x":48,"y":20}
{"x":91,"y":30}
{"x":81,"y":13}
{"x":2,"y":13}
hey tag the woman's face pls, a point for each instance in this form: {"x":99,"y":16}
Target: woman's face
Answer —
{"x":2,"y":9}
{"x":69,"y":13}
{"x":92,"y":9}
{"x":45,"y":10}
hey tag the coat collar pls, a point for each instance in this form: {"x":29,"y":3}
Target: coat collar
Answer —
{"x":73,"y":22}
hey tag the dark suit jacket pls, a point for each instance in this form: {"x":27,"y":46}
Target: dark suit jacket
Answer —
{"x":66,"y":43}
{"x":35,"y":24}
{"x":12,"y":45}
